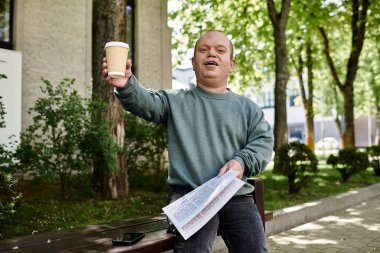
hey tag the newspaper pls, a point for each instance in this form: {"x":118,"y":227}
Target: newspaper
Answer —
{"x":195,"y":209}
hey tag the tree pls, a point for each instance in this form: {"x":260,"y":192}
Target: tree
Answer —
{"x":374,"y":84}
{"x":252,"y":47}
{"x":307,"y":94}
{"x":303,"y":52}
{"x":279,"y":22}
{"x":371,"y":66}
{"x":109,"y":25}
{"x":358,"y":24}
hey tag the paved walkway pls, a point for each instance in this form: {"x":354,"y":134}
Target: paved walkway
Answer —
{"x":356,"y":230}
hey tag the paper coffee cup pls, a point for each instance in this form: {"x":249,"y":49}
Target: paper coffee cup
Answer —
{"x":117,"y":56}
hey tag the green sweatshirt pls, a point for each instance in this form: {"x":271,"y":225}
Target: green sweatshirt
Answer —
{"x":205,"y":130}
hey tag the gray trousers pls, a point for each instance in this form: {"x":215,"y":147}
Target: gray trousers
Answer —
{"x":238,"y":222}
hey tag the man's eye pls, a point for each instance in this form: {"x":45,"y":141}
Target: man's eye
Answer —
{"x":221,"y":51}
{"x":202,"y":50}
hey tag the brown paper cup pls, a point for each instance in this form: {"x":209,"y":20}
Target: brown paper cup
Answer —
{"x":117,"y":56}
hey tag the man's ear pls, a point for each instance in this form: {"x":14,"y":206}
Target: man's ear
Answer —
{"x":232,"y":65}
{"x":192,"y":62}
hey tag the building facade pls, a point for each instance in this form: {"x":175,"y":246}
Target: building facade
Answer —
{"x":52,"y":40}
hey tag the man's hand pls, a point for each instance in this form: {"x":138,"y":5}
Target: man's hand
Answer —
{"x":232,"y":165}
{"x":117,"y":82}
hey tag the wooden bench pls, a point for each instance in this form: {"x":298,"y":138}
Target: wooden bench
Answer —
{"x":97,"y":238}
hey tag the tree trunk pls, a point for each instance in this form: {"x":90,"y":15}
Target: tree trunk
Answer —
{"x":377,"y":140}
{"x":310,"y":132}
{"x":307,"y":99}
{"x":358,"y":22}
{"x":349,"y":118}
{"x":279,"y":22}
{"x":309,"y":107}
{"x":109,"y":25}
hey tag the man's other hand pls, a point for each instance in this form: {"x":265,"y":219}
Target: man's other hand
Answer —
{"x":232,"y":165}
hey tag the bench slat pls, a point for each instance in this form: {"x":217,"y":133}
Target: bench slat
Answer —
{"x":80,"y":237}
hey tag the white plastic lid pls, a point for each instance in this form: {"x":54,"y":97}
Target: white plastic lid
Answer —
{"x":116,"y":44}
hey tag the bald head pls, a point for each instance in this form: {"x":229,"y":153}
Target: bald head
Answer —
{"x":231,"y":47}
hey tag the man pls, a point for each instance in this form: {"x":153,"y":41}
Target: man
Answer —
{"x":210,"y":130}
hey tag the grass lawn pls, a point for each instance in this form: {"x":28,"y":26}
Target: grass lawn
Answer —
{"x":40,"y":209}
{"x":324,"y":184}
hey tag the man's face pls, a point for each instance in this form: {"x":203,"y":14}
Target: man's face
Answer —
{"x":212,"y":61}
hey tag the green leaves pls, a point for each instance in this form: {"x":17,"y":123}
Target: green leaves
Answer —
{"x":349,"y":162}
{"x":243,"y":21}
{"x":248,"y":25}
{"x":53,"y":146}
{"x":8,"y":192}
{"x":2,"y":108}
{"x":298,"y":163}
{"x":8,"y":195}
{"x":145,"y":144}
{"x":2,"y":113}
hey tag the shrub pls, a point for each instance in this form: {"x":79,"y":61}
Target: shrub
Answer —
{"x":51,"y":146}
{"x":349,"y":162}
{"x":145,"y":144}
{"x":2,"y":113}
{"x":98,"y":141}
{"x":298,"y":163}
{"x":374,"y":155}
{"x":8,"y":193}
{"x":5,"y":154}
{"x":332,"y":160}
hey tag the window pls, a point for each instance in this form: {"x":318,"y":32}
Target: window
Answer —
{"x":130,"y":29}
{"x":6,"y":23}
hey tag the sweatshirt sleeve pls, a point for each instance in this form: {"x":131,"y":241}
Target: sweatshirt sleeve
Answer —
{"x":257,"y":153}
{"x":148,"y":104}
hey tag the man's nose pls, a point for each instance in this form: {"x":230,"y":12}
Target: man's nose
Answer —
{"x":212,"y":52}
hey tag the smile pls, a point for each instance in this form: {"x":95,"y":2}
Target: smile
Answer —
{"x":213,"y":63}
